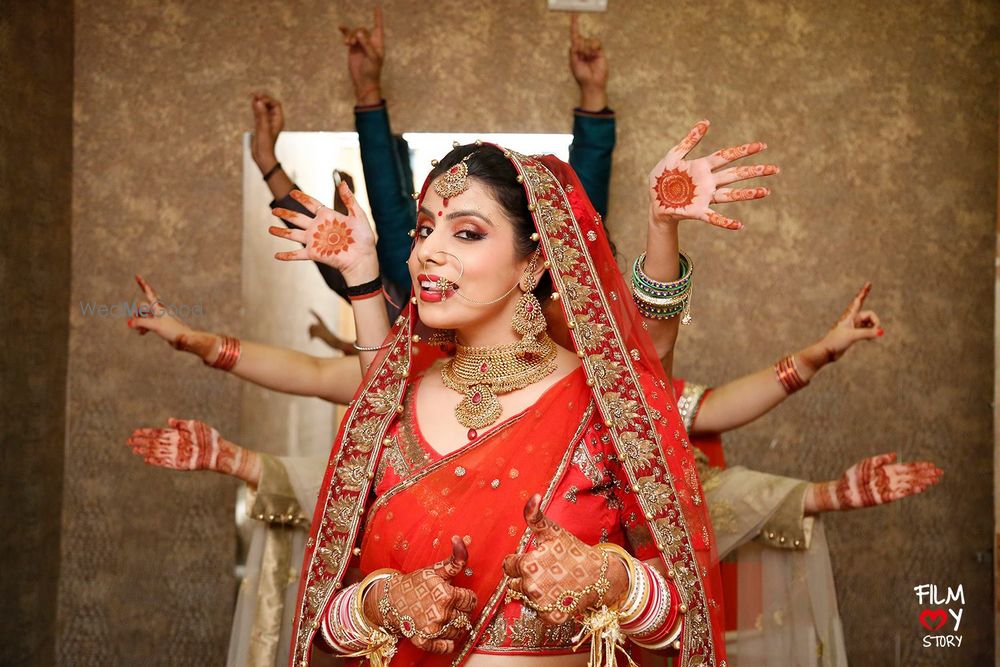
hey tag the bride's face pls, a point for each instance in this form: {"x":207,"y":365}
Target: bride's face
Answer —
{"x":470,"y":241}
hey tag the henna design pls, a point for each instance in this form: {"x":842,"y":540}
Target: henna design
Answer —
{"x":882,"y":485}
{"x":693,"y":137}
{"x":843,"y":492}
{"x":725,"y":195}
{"x":878,"y":480}
{"x":865,"y":479}
{"x":425,"y":600}
{"x":737,"y":152}
{"x":188,"y":445}
{"x":559,"y":563}
{"x":683,"y":189}
{"x":722,"y":221}
{"x":675,"y":188}
{"x":332,"y":237}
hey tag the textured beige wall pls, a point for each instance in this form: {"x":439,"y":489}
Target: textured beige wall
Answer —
{"x":882,"y":115}
{"x":36,"y":142}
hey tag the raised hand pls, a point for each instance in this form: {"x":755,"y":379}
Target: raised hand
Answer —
{"x":154,"y":317}
{"x":345,"y":242}
{"x":589,"y":67}
{"x":190,"y":444}
{"x":365,"y":54}
{"x":553,"y":574}
{"x":268,"y":121}
{"x":423,"y":605}
{"x":854,"y":324}
{"x":873,"y":481}
{"x":681,"y":189}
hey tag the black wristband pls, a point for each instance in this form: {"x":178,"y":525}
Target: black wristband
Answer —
{"x":364,"y":289}
{"x":272,"y":171}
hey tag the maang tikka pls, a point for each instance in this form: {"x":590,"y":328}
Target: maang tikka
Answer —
{"x":529,"y":320}
{"x":455,"y":180}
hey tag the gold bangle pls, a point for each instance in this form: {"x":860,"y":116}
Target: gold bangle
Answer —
{"x":629,"y":563}
{"x":365,"y":625}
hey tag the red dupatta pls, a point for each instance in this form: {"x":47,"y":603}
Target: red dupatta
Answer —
{"x":478,"y":492}
{"x":628,"y":386}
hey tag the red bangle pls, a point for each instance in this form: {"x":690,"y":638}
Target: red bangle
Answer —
{"x":229,"y":354}
{"x":788,"y":375}
{"x":362,"y":297}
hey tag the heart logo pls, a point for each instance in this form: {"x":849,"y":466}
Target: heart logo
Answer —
{"x":928,"y":617}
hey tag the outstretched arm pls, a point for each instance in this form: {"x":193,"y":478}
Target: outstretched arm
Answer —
{"x":682,"y":189}
{"x":873,"y":481}
{"x":748,"y":398}
{"x":289,"y":371}
{"x":268,"y":121}
{"x":346,"y":243}
{"x":593,"y":122}
{"x":190,"y":444}
{"x":384,"y":158}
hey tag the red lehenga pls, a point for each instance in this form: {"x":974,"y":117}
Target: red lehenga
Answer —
{"x":621,"y":396}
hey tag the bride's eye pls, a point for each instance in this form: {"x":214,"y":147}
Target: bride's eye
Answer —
{"x":470,"y":235}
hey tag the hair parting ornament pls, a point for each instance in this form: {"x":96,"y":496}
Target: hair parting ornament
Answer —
{"x":455,"y":181}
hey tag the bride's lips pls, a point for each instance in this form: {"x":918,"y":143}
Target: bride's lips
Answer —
{"x":429,"y":291}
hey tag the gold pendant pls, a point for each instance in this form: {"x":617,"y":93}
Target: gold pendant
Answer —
{"x":480,"y":407}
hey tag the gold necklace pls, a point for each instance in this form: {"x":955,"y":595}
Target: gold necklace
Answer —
{"x":483,"y":373}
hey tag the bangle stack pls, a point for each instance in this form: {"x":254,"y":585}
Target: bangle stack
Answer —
{"x":346,"y":630}
{"x":663,"y":300}
{"x":645,"y":615}
{"x":788,"y":375}
{"x":229,"y":354}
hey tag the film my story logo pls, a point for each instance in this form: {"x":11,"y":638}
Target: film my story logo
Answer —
{"x":940,"y":614}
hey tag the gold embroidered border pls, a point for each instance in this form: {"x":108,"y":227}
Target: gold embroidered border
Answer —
{"x":348,"y":482}
{"x":619,"y":394}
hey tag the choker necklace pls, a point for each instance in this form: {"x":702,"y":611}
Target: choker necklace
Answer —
{"x":483,"y":373}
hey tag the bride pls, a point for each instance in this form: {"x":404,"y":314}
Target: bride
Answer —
{"x":520,"y":496}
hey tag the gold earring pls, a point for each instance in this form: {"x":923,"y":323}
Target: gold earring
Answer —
{"x":529,"y":320}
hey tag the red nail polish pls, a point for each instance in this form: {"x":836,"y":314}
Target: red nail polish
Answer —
{"x":880,"y":332}
{"x":129,"y":323}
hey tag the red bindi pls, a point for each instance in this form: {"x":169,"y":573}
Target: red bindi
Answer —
{"x":440,"y":213}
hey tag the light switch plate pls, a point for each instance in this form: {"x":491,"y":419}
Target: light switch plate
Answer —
{"x":578,"y":5}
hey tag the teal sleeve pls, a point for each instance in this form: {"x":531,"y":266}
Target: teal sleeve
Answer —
{"x":389,"y":181}
{"x":590,"y":154}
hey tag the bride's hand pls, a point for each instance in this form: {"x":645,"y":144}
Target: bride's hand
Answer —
{"x":344,"y":242}
{"x":423,"y":605}
{"x":681,"y":189}
{"x":558,"y":565}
